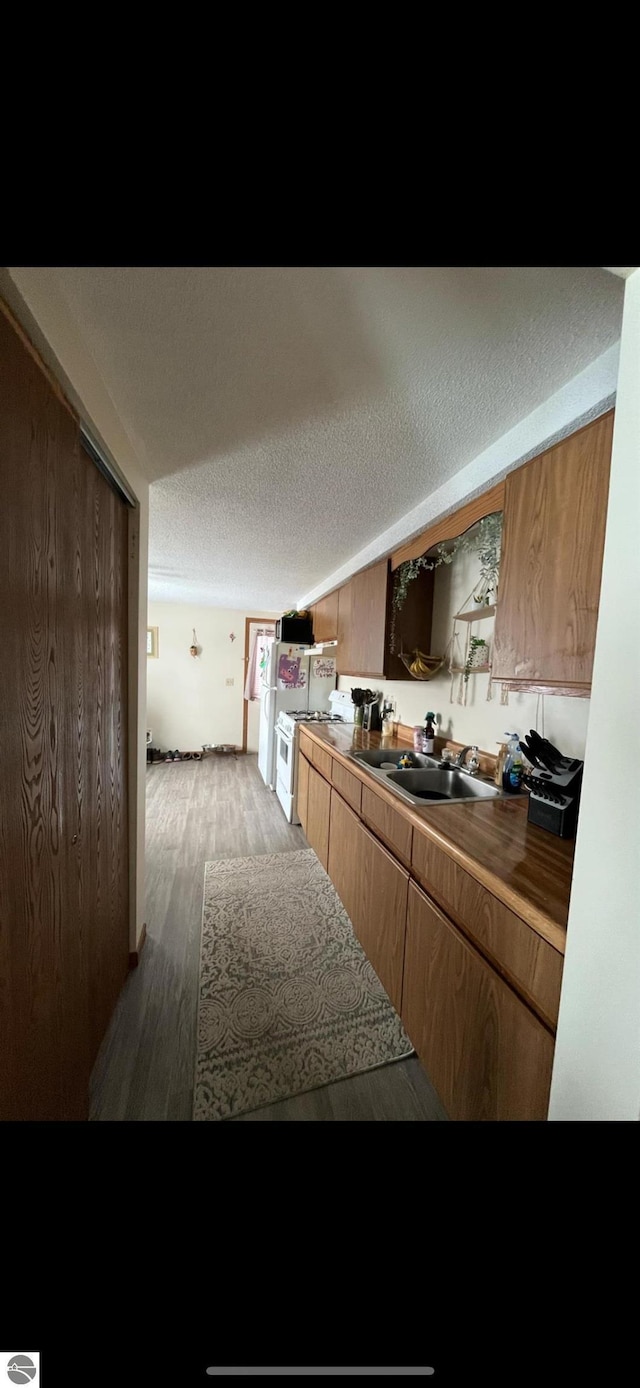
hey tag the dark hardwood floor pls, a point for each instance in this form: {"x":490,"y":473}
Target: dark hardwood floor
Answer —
{"x":216,"y":808}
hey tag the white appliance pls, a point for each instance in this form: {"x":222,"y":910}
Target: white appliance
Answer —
{"x":287,"y":754}
{"x":294,"y":677}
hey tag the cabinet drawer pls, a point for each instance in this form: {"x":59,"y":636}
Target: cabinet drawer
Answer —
{"x":305,"y":744}
{"x":349,"y":786}
{"x":388,"y":824}
{"x":322,"y":760}
{"x":527,"y":961}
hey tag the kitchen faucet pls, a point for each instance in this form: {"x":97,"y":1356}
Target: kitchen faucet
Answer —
{"x":459,"y":761}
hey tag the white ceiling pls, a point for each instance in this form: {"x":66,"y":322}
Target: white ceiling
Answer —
{"x":287,"y":416}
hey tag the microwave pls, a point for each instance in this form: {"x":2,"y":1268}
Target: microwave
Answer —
{"x":297,"y":630}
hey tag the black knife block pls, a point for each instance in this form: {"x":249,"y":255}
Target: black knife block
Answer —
{"x":554,"y":798}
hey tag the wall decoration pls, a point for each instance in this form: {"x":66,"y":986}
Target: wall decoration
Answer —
{"x":194,"y":648}
{"x":232,"y":636}
{"x":324,"y":669}
{"x":152,"y":641}
{"x":290,"y":676}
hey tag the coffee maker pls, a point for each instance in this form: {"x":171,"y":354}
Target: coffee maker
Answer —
{"x":371,"y":720}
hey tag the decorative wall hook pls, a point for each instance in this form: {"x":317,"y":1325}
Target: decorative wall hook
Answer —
{"x":194,"y":649}
{"x":232,"y":636}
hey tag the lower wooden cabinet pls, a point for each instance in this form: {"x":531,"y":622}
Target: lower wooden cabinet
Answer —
{"x":373,"y":890}
{"x":302,"y":793}
{"x":486,"y":1054}
{"x":318,"y":810}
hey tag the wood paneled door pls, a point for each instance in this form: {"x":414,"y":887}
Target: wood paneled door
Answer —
{"x":63,"y":736}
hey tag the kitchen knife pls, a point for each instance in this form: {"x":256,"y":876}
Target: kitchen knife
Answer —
{"x":545,"y":746}
{"x":540,"y":751}
{"x":531,"y":756}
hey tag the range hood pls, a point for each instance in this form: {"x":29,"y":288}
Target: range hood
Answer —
{"x":320,"y":647}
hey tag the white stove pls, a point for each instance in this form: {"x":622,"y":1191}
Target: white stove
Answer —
{"x":286,"y":760}
{"x":288,"y":719}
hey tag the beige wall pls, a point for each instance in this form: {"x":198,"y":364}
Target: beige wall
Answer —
{"x":188,"y":700}
{"x":596,"y":1073}
{"x":480,"y":721}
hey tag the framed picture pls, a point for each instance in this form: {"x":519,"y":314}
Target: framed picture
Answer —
{"x":152,"y":641}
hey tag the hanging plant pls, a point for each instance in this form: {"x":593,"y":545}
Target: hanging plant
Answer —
{"x":483,"y":539}
{"x":477,"y":649}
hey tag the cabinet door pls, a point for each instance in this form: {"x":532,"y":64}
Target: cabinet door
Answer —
{"x":373,"y":890}
{"x":551,"y":563}
{"x":362,"y":622}
{"x":346,"y":652}
{"x":318,"y":808}
{"x":369,"y":617}
{"x":486,"y":1054}
{"x":303,"y":789}
{"x":325,"y":618}
{"x":345,"y":856}
{"x":381,"y":914}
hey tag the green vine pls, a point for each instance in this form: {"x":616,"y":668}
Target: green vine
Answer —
{"x":476,"y":643}
{"x":482,"y":539}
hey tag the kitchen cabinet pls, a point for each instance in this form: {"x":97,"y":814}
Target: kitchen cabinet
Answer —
{"x":373,"y":890}
{"x":551,"y":564}
{"x":325,"y":618}
{"x":389,"y":824}
{"x":345,"y":856}
{"x":365,"y":621}
{"x":318,"y":811}
{"x":362,"y":609}
{"x":302,"y":797}
{"x":529,"y":963}
{"x":486,"y":1054}
{"x":477,"y":988}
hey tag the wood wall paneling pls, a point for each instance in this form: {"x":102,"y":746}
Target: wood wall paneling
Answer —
{"x":486,"y":1054}
{"x":63,"y":813}
{"x":551,"y":564}
{"x":412,"y":623}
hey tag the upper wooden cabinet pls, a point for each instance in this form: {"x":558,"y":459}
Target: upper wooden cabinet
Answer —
{"x":365,"y":623}
{"x":362,"y":621}
{"x":551,"y":564}
{"x":325,"y":618}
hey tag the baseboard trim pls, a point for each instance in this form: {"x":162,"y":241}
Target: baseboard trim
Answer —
{"x":134,"y":954}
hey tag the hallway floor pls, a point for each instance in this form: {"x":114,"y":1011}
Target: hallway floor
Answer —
{"x":196,"y":811}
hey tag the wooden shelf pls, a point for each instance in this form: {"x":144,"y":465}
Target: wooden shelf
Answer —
{"x":477,"y":615}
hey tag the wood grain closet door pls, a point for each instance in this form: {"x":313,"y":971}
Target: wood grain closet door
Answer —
{"x":63,"y":817}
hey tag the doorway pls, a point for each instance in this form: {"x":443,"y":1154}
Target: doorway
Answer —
{"x":256,"y":631}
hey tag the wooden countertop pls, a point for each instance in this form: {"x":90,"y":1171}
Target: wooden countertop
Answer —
{"x":524,"y":866}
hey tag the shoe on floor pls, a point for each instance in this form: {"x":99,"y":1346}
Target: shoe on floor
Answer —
{"x":177,"y":756}
{"x":169,"y":756}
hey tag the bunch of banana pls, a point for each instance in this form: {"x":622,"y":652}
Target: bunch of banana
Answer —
{"x":420,"y":666}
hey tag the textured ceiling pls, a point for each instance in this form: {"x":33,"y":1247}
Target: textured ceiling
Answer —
{"x":287,"y":416}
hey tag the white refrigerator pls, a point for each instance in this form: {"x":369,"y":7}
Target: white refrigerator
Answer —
{"x":292,"y":680}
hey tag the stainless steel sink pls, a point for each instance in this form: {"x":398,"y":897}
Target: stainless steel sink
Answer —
{"x":441,"y":784}
{"x":386,"y":759}
{"x":430,"y":784}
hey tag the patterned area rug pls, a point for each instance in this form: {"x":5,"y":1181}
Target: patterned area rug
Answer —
{"x":288,"y":1000}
